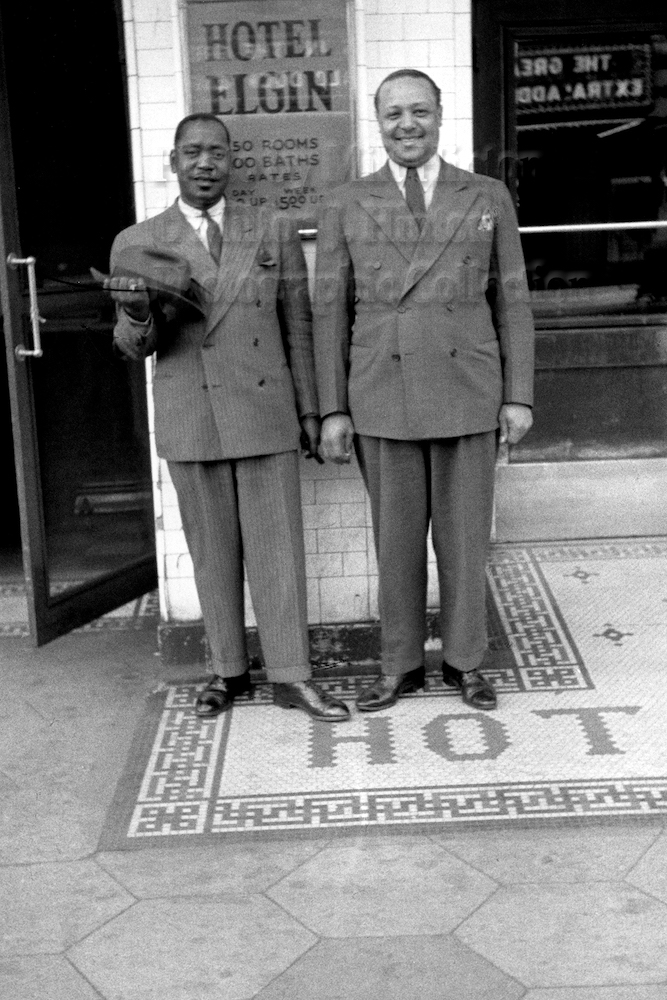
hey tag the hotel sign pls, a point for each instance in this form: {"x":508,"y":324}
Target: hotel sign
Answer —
{"x":277,"y":73}
{"x":578,"y":78}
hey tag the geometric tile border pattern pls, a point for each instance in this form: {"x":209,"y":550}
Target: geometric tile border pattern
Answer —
{"x":569,"y":741}
{"x":544,"y":653}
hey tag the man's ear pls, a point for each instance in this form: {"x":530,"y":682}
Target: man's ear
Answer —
{"x":172,"y":161}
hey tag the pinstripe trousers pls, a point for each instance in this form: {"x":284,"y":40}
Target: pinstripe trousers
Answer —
{"x":248,"y":510}
{"x":449,"y":482}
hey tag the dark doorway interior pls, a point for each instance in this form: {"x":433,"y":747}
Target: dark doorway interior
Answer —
{"x":66,"y":89}
{"x":70,"y":138}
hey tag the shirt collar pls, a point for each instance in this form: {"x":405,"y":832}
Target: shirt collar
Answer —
{"x":215,"y":211}
{"x":427,"y":173}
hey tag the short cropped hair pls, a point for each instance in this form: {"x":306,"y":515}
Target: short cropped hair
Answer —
{"x":198,"y":116}
{"x":414,"y":74}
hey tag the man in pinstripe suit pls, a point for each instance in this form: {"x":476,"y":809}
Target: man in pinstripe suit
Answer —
{"x":234,"y":391}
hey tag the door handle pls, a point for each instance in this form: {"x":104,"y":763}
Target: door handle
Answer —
{"x":35,"y":319}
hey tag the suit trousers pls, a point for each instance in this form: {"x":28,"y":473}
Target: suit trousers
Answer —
{"x":248,"y":510}
{"x":449,"y":483}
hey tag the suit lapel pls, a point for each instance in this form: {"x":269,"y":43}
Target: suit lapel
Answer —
{"x":453,"y":198}
{"x":241,"y":235}
{"x":177,"y":231}
{"x":381,"y":198}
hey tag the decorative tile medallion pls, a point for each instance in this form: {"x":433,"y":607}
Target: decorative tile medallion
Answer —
{"x":573,"y":738}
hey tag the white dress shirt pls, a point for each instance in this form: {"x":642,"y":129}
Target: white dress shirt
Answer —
{"x":428,"y":175}
{"x":198,"y":220}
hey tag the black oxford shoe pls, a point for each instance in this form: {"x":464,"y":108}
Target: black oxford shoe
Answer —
{"x":219,"y":694}
{"x":307,"y":696}
{"x":386,"y":690}
{"x":475,"y":689}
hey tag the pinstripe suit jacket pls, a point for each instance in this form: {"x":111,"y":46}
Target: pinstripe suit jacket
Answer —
{"x":422,"y":335}
{"x":233,"y":383}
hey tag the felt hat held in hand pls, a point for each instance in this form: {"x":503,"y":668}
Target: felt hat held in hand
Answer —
{"x":165,"y":275}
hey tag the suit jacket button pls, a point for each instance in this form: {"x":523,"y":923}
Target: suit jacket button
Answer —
{"x":453,"y":352}
{"x":401,"y":309}
{"x":377,"y":264}
{"x":396,"y":357}
{"x":449,"y":307}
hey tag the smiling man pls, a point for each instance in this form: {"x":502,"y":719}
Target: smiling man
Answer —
{"x":424,"y":356}
{"x":219,"y":291}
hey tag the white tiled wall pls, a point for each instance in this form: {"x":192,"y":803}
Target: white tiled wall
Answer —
{"x":431,"y":35}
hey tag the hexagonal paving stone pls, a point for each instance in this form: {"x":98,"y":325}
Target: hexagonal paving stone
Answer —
{"x":397,"y":968}
{"x":48,"y":907}
{"x":395,"y":885}
{"x":185,"y":949}
{"x":42,"y":977}
{"x":590,"y":854}
{"x":572,"y":935}
{"x":601,"y":993}
{"x":199,"y":871}
{"x":650,"y":873}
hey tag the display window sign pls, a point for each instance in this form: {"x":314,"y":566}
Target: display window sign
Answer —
{"x":586,"y":77}
{"x":277,"y":73}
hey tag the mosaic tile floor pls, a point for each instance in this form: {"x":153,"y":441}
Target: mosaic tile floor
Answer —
{"x":578,"y":656}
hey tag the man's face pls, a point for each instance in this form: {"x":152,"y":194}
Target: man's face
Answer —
{"x":201,"y":163}
{"x":409,"y":119}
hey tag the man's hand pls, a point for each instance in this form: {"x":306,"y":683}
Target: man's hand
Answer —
{"x":337,"y":437}
{"x":515,"y":421}
{"x":310,"y":437}
{"x":131,"y":295}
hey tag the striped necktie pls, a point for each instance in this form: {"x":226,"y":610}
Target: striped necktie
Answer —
{"x":213,"y":237}
{"x":414,"y":196}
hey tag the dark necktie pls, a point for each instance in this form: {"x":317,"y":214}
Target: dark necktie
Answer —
{"x":213,"y":237}
{"x":414,"y":196}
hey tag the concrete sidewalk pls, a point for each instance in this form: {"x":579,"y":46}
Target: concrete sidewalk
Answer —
{"x":550,"y":913}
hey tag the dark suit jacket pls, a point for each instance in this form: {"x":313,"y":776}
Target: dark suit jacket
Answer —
{"x":421,"y":335}
{"x":233,"y":383}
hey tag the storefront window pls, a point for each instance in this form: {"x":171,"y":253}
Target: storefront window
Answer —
{"x":592,"y":171}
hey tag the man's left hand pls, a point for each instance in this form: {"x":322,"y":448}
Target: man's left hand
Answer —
{"x":515,"y":421}
{"x":310,"y":438}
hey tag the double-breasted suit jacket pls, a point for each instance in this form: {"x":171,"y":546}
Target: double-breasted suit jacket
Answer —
{"x":229,"y":387}
{"x":233,"y":382}
{"x":422,"y":335}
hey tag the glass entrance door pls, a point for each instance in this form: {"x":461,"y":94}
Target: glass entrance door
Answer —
{"x":78,"y":411}
{"x":585,"y":153}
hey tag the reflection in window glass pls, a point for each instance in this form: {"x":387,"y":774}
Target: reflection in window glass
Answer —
{"x":592,"y":148}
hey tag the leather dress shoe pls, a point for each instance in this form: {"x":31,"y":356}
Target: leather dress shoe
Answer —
{"x":475,"y":689}
{"x":307,"y":696}
{"x":386,"y":690}
{"x":219,"y":694}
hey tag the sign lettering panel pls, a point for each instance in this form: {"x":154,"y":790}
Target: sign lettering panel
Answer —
{"x":573,"y":78}
{"x":276,"y":72}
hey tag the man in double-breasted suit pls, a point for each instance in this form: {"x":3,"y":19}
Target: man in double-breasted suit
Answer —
{"x":423,"y":349}
{"x":234,"y":391}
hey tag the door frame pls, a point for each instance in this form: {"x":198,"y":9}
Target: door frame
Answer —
{"x":49,"y":615}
